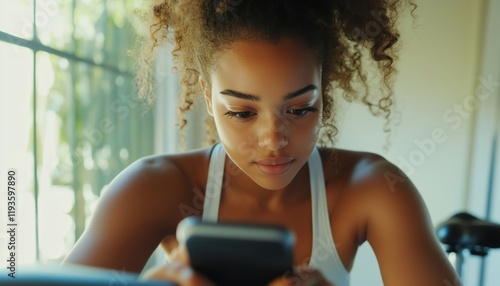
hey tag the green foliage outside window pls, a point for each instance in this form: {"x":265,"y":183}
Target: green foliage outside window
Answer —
{"x":69,"y":106}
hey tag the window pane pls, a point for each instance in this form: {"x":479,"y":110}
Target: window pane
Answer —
{"x":16,"y":18}
{"x":54,"y":24}
{"x":112,"y":130}
{"x":90,"y":29}
{"x":82,"y":144}
{"x":54,"y":166}
{"x":119,"y":35}
{"x":16,"y":145}
{"x":103,"y":31}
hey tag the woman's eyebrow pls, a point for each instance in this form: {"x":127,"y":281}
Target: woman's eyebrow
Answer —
{"x":300,"y":92}
{"x":251,"y":97}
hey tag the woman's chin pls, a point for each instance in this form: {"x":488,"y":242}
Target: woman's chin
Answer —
{"x":272,"y":182}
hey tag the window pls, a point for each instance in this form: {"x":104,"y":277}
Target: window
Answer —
{"x":69,"y":118}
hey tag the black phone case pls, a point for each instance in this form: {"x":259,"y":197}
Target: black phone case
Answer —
{"x":240,"y":261}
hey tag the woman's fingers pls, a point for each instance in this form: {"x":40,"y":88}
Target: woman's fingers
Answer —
{"x":302,"y":276}
{"x":281,"y":281}
{"x":180,"y":254}
{"x":178,"y":273}
{"x":177,"y":270}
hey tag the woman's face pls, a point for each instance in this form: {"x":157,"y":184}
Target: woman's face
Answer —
{"x":266,"y":102}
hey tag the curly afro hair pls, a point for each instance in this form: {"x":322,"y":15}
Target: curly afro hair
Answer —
{"x":348,"y":36}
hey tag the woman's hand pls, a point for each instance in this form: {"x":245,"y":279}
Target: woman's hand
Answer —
{"x":177,"y":270}
{"x":302,"y":276}
{"x":178,"y":273}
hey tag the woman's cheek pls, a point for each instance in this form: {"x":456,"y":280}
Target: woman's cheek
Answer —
{"x":234,"y":132}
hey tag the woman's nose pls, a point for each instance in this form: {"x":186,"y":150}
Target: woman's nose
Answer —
{"x":273,"y":137}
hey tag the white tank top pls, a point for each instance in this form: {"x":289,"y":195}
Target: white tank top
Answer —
{"x":324,"y":255}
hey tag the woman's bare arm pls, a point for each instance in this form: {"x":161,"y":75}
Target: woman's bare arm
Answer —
{"x":138,"y":209}
{"x":399,"y":229}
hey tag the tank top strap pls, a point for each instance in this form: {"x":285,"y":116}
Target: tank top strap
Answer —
{"x":324,"y":255}
{"x":320,"y":218}
{"x":213,"y":189}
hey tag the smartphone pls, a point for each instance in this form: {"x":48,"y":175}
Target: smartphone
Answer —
{"x":236,"y":253}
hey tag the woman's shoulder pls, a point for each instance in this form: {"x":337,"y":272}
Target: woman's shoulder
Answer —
{"x":187,"y":165}
{"x":366,"y":182}
{"x":160,"y":184}
{"x":349,"y":166}
{"x":140,"y":207}
{"x":375,"y":189}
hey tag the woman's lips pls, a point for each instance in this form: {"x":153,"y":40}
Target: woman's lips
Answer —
{"x":274,"y":166}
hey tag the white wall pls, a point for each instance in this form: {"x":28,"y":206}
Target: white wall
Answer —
{"x":438,"y":69}
{"x":487,"y":124}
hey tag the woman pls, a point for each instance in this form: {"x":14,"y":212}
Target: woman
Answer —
{"x":269,"y":72}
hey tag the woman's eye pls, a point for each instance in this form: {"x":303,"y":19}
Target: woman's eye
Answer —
{"x":303,"y":111}
{"x":240,"y":115}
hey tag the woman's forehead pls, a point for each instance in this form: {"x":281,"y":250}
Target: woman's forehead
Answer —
{"x":285,"y":49}
{"x":264,"y":62}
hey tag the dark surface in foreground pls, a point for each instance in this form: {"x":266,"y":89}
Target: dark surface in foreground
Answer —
{"x":54,"y":275}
